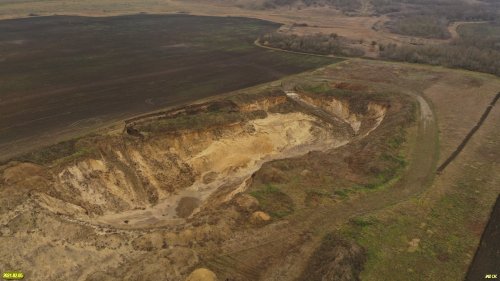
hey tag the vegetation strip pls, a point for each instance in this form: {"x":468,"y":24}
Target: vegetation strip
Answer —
{"x":469,"y":135}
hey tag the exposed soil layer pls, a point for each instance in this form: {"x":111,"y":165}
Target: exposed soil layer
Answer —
{"x":186,"y":206}
{"x":60,"y":74}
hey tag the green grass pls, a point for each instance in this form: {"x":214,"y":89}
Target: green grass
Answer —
{"x":76,"y":155}
{"x":60,"y":152}
{"x":199,"y":121}
{"x":317,"y":197}
{"x":447,"y":241}
{"x":273,"y":201}
{"x":362,"y":222}
{"x":343,"y":193}
{"x":397,"y":140}
{"x":324,"y":88}
{"x":391,"y":163}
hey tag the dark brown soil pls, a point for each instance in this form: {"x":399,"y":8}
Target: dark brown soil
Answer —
{"x":60,"y":74}
{"x":186,"y":206}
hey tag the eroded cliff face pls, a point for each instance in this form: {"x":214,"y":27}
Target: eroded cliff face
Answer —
{"x":362,"y":120}
{"x":166,"y":177}
{"x":263,"y":103}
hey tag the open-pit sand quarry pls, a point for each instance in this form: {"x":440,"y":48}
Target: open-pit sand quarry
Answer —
{"x":211,"y":159}
{"x":148,"y":181}
{"x":170,"y":176}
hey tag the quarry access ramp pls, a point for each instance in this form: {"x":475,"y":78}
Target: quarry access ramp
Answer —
{"x":345,"y":128}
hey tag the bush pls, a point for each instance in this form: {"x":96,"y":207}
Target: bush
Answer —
{"x":323,"y":44}
{"x":273,"y":201}
{"x":335,"y":259}
{"x":456,"y":56}
{"x":422,"y":26}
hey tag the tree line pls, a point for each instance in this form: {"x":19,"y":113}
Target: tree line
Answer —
{"x":456,"y":56}
{"x":324,"y":44}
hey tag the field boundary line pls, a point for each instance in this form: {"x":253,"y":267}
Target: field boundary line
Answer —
{"x":471,"y":133}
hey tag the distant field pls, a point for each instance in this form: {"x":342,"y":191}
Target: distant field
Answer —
{"x":60,"y":73}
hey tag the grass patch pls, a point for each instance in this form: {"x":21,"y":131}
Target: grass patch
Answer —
{"x":273,"y":201}
{"x":60,"y":152}
{"x":397,"y":140}
{"x":343,"y":193}
{"x":317,"y":197}
{"x":390,"y":165}
{"x":444,"y":229}
{"x":319,"y":88}
{"x":336,"y":259}
{"x":386,"y":177}
{"x":200,"y":121}
{"x":361,"y":222}
{"x":76,"y":155}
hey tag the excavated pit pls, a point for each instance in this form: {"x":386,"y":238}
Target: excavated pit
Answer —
{"x":151,"y":179}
